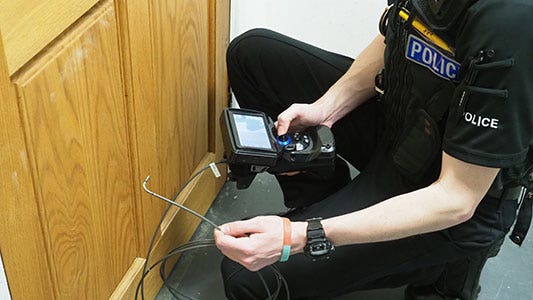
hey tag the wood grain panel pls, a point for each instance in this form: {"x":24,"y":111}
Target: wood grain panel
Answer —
{"x":180,"y":45}
{"x":29,"y":25}
{"x":142,"y":91}
{"x":165,"y":51}
{"x":21,"y":239}
{"x":218,"y":83}
{"x":76,"y":119}
{"x":184,"y":37}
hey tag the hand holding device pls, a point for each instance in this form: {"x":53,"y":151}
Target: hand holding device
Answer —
{"x":252,"y":146}
{"x":300,"y":116}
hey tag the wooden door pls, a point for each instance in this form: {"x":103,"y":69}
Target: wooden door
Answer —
{"x":96,"y":95}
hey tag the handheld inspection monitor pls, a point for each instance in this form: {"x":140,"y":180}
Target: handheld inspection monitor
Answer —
{"x":252,"y":146}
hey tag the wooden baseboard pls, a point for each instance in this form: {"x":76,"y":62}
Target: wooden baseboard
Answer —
{"x":126,"y":288}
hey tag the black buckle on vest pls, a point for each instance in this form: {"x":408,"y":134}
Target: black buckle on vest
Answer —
{"x":523,"y":218}
{"x":524,"y":200}
{"x":517,"y":194}
{"x":379,"y":83}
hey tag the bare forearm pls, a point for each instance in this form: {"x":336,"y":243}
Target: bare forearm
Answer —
{"x":452,"y":199}
{"x":449,"y":201}
{"x":356,"y":85}
{"x":421,"y":211}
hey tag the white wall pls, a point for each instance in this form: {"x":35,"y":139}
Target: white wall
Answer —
{"x":342,"y":26}
{"x":4,"y":290}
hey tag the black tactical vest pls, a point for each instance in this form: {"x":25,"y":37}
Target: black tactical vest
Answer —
{"x":416,"y":99}
{"x":418,"y":90}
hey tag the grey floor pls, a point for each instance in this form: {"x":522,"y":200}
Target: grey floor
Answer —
{"x":509,"y":276}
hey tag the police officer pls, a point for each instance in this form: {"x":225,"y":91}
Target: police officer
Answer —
{"x":444,"y":152}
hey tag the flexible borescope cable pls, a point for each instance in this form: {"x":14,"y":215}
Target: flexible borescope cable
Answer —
{"x":186,"y":247}
{"x":209,"y":243}
{"x":177,"y":294}
{"x":167,"y":209}
{"x":193,"y":245}
{"x":190,"y":246}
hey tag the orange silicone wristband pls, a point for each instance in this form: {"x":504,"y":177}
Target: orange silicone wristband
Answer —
{"x":287,"y":232}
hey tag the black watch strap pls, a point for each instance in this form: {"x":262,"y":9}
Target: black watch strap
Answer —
{"x":318,"y":247}
{"x":315,"y":230}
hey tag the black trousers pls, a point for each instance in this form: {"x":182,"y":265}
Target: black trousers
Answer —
{"x":269,"y":72}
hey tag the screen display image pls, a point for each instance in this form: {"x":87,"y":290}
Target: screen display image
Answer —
{"x":252,"y":132}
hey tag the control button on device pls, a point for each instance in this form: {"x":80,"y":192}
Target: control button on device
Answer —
{"x":284,"y":140}
{"x":299,"y":147}
{"x":297,"y":136}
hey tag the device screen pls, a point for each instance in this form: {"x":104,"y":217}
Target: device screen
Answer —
{"x":252,"y":131}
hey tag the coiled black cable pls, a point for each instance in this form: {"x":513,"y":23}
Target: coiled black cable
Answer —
{"x":209,"y":243}
{"x":193,"y":245}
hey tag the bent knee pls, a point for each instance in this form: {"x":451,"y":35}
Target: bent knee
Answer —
{"x":248,"y":44}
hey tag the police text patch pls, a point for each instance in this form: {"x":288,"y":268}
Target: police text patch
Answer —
{"x":422,"y":53}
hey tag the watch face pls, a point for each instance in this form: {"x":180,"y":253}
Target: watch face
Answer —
{"x":318,"y":246}
{"x":319,"y":249}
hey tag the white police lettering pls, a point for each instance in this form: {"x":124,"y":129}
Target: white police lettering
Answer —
{"x":481,"y":121}
{"x":427,"y":56}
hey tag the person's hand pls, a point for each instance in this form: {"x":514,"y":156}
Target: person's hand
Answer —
{"x":300,"y":116}
{"x":255,"y":243}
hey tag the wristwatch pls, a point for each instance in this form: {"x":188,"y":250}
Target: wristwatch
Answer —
{"x":318,"y":247}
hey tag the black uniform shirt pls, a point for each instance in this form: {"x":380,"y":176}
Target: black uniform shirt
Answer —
{"x":490,"y":121}
{"x":480,"y":98}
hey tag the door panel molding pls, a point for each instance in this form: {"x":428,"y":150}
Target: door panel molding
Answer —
{"x":28,"y":26}
{"x":18,"y":213}
{"x":74,"y":121}
{"x":130,"y":88}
